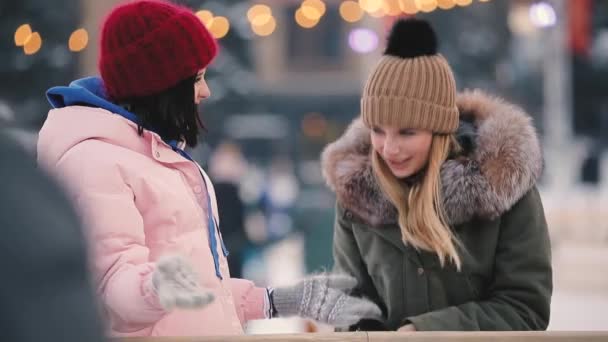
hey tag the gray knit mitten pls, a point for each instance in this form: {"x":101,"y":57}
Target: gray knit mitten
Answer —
{"x":177,"y":286}
{"x":325,"y":299}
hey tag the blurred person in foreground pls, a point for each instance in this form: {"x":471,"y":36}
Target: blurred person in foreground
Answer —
{"x":46,"y":293}
{"x":118,"y":143}
{"x":438,"y":215}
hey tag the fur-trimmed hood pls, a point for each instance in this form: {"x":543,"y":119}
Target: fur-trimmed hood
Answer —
{"x":502,"y":164}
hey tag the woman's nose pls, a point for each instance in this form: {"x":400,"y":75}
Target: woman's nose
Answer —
{"x":391,"y":148}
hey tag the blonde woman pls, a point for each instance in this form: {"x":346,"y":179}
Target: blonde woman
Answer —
{"x":438,"y":215}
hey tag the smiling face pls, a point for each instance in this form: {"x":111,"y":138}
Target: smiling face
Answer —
{"x":404,"y":150}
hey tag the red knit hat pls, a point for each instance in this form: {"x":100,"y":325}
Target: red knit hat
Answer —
{"x":148,"y":46}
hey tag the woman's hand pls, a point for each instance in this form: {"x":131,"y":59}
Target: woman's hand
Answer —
{"x":325,"y":298}
{"x":176,"y":284}
{"x":407,"y":327}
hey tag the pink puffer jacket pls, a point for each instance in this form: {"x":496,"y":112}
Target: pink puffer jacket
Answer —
{"x":141,"y":200}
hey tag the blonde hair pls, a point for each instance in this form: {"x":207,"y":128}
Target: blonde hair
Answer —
{"x":420,"y":206}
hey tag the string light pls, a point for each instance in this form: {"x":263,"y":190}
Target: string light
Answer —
{"x":446,"y":4}
{"x":313,"y":9}
{"x":22,"y":34}
{"x":33,"y":44}
{"x":350,"y":11}
{"x":379,"y":13}
{"x":79,"y":40}
{"x":258,"y":10}
{"x":206,"y":17}
{"x":265,"y":29}
{"x":262,"y":22}
{"x":426,"y":5}
{"x":463,"y":3}
{"x":363,"y":40}
{"x":408,"y":6}
{"x":303,"y":21}
{"x":391,"y":7}
{"x":370,"y":6}
{"x":219,"y":27}
{"x":542,"y":14}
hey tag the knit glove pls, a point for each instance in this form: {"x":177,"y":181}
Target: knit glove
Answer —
{"x":176,"y":285}
{"x":324,"y":298}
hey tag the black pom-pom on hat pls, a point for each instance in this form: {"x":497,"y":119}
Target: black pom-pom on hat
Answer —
{"x":411,"y":38}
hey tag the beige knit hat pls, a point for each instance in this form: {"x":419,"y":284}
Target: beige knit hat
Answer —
{"x":412,"y":86}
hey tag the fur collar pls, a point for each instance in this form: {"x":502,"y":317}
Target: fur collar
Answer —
{"x":502,"y":164}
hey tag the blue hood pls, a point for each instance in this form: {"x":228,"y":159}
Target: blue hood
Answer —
{"x":88,"y":91}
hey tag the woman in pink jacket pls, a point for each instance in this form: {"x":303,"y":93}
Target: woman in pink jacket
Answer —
{"x":117,"y":143}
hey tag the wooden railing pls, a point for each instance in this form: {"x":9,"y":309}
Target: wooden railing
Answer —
{"x":543,"y":336}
